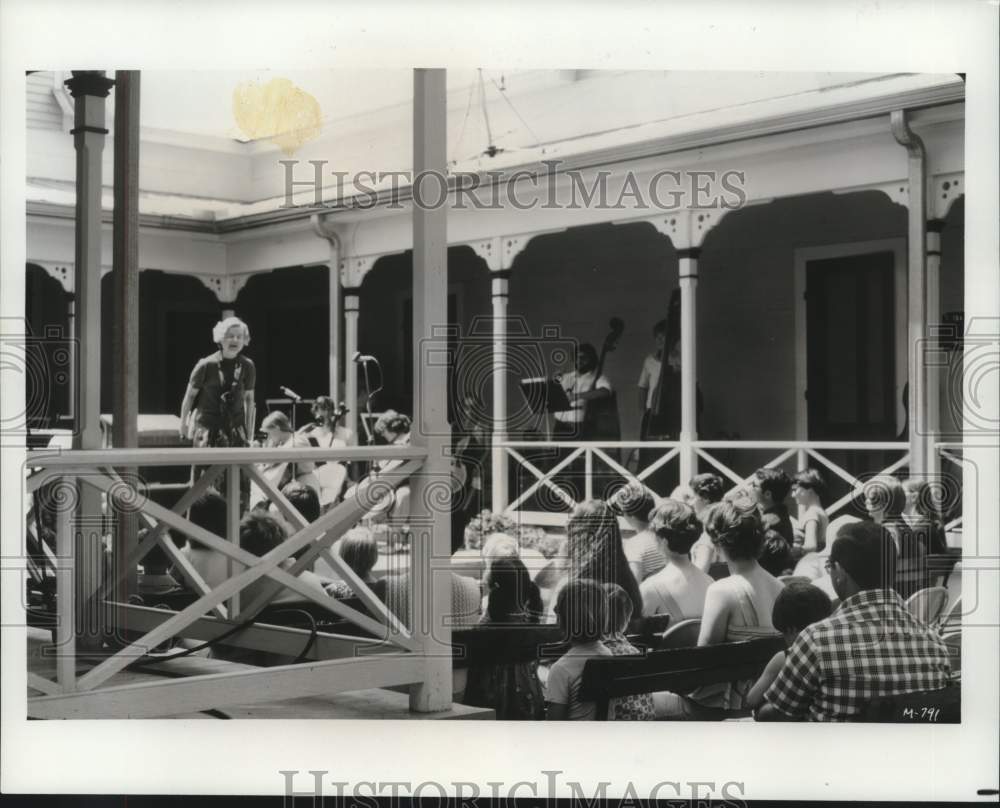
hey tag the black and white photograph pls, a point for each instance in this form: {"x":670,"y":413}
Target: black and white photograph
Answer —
{"x":344,"y":388}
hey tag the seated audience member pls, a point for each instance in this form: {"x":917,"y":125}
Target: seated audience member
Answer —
{"x":595,"y":551}
{"x":619,"y":614}
{"x":642,"y":551}
{"x":260,"y":533}
{"x":683,"y":493}
{"x":798,"y":605}
{"x":209,"y":512}
{"x":921,"y":514}
{"x":155,"y":577}
{"x":737,"y":607}
{"x":679,"y":588}
{"x":885,"y":499}
{"x":305,"y":500}
{"x":359,"y":550}
{"x":870,"y":647}
{"x":807,"y":491}
{"x":513,"y":689}
{"x":581,"y":612}
{"x":775,"y":554}
{"x":465,"y":611}
{"x":466,"y":601}
{"x":708,"y":489}
{"x":770,"y":488}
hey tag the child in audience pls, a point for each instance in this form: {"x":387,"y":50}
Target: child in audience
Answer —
{"x":775,"y":554}
{"x":807,"y":491}
{"x":511,"y":689}
{"x":619,"y":613}
{"x":770,"y":488}
{"x":921,"y":514}
{"x":642,"y":551}
{"x":581,"y":612}
{"x":797,"y":606}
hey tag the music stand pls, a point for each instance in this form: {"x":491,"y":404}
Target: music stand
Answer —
{"x":544,"y":395}
{"x":291,"y":403}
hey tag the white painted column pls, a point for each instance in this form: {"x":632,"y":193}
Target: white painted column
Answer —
{"x":916,"y":286}
{"x":89,"y":90}
{"x":430,"y":518}
{"x":352,"y":297}
{"x":932,"y":422}
{"x":688,"y":279}
{"x":500,"y":284}
{"x":323,"y":230}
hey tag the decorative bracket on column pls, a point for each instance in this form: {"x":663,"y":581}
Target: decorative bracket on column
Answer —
{"x":65,"y":273}
{"x":354,"y":268}
{"x":510,"y":246}
{"x":490,"y":250}
{"x":687,"y":229}
{"x":945,"y":189}
{"x":226,"y":287}
{"x":897,"y":191}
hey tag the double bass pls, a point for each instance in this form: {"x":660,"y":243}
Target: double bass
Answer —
{"x":600,"y":417}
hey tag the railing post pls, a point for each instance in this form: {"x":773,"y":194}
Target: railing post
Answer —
{"x":65,"y":579}
{"x":500,"y":469}
{"x":588,"y":474}
{"x":688,"y":280}
{"x":802,"y":461}
{"x":352,"y":297}
{"x":431,"y":517}
{"x":233,"y":528}
{"x":932,"y":421}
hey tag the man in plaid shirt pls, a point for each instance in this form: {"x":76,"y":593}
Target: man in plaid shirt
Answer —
{"x":871,"y":646}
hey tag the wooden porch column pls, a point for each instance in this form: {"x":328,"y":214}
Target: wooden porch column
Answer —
{"x":125,"y":280}
{"x":89,"y":89}
{"x":916,"y":287}
{"x":323,"y":230}
{"x":933,"y":368}
{"x":500,"y":282}
{"x":431,"y":522}
{"x":688,"y":279}
{"x":352,"y":297}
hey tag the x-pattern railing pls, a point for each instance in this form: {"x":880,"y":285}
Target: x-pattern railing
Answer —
{"x":601,"y":452}
{"x":276,"y":571}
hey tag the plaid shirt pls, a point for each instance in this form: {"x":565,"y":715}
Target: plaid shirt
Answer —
{"x":871,"y":646}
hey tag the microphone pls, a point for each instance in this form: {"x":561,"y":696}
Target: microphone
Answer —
{"x":361,"y":358}
{"x":288,"y":391}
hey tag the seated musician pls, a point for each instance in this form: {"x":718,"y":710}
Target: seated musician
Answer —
{"x":581,"y":385}
{"x":326,"y":432}
{"x":280,"y":435}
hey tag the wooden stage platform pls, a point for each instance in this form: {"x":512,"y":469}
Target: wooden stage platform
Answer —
{"x":370,"y":704}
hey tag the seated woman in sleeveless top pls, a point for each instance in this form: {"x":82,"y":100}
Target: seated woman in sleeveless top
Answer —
{"x":736,"y":608}
{"x":679,"y":588}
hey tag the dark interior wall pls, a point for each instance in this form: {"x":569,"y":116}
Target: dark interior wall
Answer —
{"x":46,"y":360}
{"x":286,"y":311}
{"x":385,"y":324}
{"x":176,"y":316}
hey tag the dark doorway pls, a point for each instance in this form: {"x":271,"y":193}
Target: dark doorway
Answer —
{"x":850,"y":316}
{"x":46,"y":354}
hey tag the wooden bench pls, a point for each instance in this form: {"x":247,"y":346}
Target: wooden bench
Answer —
{"x":679,"y":670}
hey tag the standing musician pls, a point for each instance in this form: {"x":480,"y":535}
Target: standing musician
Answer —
{"x":649,"y":378}
{"x":582,"y":386}
{"x":218,"y":405}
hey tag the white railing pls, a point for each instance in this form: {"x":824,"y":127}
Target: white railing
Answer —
{"x":952,"y":453}
{"x":596,"y":457}
{"x":336,"y":666}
